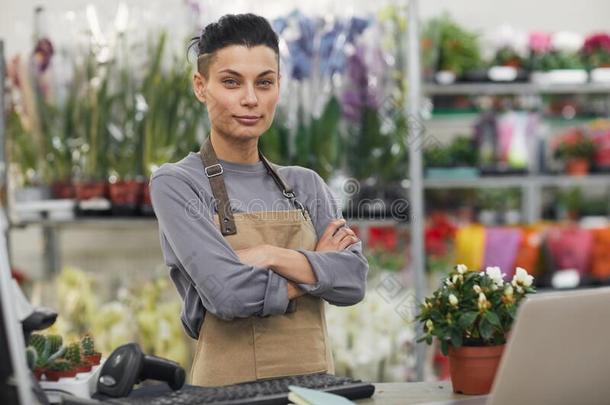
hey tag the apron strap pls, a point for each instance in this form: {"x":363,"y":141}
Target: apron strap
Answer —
{"x":286,"y":189}
{"x":213,"y":170}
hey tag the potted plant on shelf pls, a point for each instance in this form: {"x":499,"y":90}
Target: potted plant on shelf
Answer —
{"x":471,"y":315}
{"x":555,"y":59}
{"x":596,"y":53}
{"x":576,"y":150}
{"x":509,"y":47}
{"x":458,"y":160}
{"x":170,"y":118}
{"x":73,"y":355}
{"x":59,"y":368}
{"x":88,"y":348}
{"x":46,"y":349}
{"x":458,"y":49}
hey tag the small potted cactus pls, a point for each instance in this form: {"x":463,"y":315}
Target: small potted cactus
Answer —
{"x":88,"y":345}
{"x":73,"y":355}
{"x":46,"y":349}
{"x":59,"y":368}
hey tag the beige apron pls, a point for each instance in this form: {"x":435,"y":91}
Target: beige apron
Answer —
{"x":248,"y":349}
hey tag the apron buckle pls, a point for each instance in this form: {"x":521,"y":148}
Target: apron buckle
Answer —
{"x":218,"y":173}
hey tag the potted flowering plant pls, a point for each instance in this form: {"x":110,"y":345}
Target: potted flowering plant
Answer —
{"x":555,"y":59}
{"x":509,"y":47}
{"x":576,"y":150}
{"x":458,"y":49}
{"x":471,"y":314}
{"x":596,"y":54}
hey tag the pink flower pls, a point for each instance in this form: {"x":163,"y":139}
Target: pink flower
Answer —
{"x":597,"y":42}
{"x":540,"y":42}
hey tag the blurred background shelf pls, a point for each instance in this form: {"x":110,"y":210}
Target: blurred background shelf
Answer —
{"x":479,"y":89}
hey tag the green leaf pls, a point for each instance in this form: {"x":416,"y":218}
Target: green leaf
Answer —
{"x":456,"y":338}
{"x":492,"y":318}
{"x":467,"y":319}
{"x":445,"y":347}
{"x":486,"y":329}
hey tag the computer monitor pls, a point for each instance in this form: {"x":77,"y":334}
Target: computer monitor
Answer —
{"x":15,"y":377}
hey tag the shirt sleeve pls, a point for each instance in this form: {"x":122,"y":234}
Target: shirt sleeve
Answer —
{"x":341,"y":276}
{"x":227,"y":287}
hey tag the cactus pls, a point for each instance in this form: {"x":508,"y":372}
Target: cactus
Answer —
{"x":31,"y":356}
{"x":42,"y":346}
{"x":56,"y":342}
{"x":59,"y":365}
{"x":38,"y":342}
{"x":88,"y":345}
{"x":72,"y":353}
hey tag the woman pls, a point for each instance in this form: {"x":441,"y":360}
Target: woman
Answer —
{"x":254,"y":249}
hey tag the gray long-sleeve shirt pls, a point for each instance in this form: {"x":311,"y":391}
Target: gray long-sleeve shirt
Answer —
{"x":205,"y":269}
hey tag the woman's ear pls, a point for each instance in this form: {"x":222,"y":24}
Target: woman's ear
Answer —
{"x":199,"y":86}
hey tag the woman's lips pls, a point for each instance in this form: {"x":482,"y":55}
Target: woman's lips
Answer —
{"x":248,"y":120}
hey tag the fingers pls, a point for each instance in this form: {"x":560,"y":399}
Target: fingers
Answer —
{"x":332,"y":227}
{"x":348,"y":241}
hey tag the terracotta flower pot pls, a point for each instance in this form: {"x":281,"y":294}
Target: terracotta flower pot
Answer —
{"x":93,"y":359}
{"x":473,"y":368}
{"x":38,"y":373}
{"x":63,"y":189}
{"x":125,"y":195}
{"x":84,"y":367}
{"x":87,"y":190}
{"x":146,"y":207}
{"x":55,"y":375}
{"x":578,"y":167}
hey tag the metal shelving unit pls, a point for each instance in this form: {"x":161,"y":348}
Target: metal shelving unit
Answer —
{"x":432,"y":89}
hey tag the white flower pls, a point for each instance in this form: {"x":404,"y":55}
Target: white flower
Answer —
{"x":461,"y":268}
{"x":482,"y":301}
{"x":429,"y":325}
{"x":508,"y":291}
{"x":448,"y":283}
{"x":455,"y":278}
{"x":567,"y":41}
{"x":477,"y":288}
{"x":453,"y":300}
{"x":522,"y":278}
{"x":496,"y":275}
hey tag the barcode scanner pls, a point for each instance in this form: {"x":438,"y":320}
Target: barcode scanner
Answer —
{"x":127,"y":365}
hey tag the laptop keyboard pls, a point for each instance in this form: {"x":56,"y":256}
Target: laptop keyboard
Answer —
{"x":265,"y":392}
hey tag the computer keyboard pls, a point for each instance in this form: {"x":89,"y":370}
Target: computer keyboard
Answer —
{"x":264,"y":392}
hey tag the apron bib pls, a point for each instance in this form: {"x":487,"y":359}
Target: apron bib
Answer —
{"x":254,"y":348}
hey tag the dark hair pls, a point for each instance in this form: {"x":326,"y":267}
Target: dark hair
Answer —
{"x":232,"y":29}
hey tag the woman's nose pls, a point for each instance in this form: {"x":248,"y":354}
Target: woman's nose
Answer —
{"x":249,"y":98}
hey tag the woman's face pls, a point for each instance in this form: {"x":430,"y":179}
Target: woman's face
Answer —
{"x":241,"y":90}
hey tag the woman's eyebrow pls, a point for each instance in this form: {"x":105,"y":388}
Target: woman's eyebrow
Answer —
{"x":235,"y":73}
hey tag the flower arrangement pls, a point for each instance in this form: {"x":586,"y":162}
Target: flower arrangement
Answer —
{"x":474,"y":308}
{"x":596,"y":50}
{"x":554,"y":52}
{"x":509,"y":47}
{"x":575,"y":145}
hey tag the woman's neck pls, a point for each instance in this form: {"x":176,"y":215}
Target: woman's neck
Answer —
{"x":235,"y":151}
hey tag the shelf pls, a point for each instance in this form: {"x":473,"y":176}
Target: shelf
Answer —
{"x":481,"y":89}
{"x":519,"y":181}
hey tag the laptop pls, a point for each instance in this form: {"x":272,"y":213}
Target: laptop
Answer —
{"x":558,"y":352}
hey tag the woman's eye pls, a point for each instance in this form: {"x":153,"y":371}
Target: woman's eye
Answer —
{"x":266,"y":83}
{"x":230,"y":82}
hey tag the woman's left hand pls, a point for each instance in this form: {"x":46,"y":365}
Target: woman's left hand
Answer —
{"x":257,"y":256}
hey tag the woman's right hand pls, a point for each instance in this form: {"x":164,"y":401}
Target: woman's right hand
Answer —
{"x":294,"y":291}
{"x":336,"y":237}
